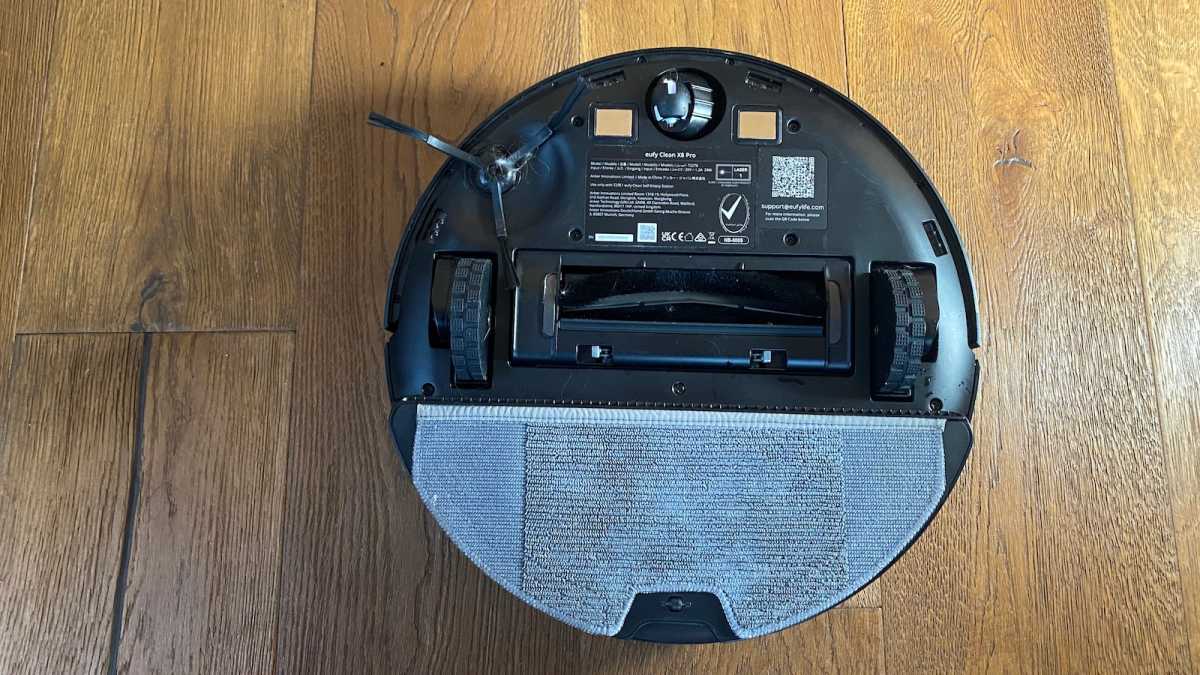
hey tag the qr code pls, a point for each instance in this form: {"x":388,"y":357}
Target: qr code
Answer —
{"x":793,"y":177}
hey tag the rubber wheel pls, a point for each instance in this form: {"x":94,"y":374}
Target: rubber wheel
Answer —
{"x":470,"y":315}
{"x":907,"y":334}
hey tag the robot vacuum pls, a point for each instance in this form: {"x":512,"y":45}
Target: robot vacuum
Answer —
{"x":681,"y":346}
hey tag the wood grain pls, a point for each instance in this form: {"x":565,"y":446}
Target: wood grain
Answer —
{"x":370,"y":585}
{"x":203,"y":576}
{"x":171,"y":171}
{"x":1055,"y":552}
{"x":26,"y":34}
{"x":803,"y":34}
{"x":1156,"y":54}
{"x":869,"y":596}
{"x":64,"y":481}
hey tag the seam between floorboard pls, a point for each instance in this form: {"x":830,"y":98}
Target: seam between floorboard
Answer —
{"x":283,"y":513}
{"x":135,"y":490}
{"x":1148,"y":320}
{"x":845,"y":52}
{"x":277,"y":645}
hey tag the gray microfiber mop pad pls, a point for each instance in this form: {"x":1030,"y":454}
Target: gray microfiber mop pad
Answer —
{"x":576,"y":510}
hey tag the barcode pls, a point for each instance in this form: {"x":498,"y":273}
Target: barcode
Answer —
{"x":793,"y":177}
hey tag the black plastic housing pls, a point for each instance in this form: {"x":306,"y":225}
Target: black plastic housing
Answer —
{"x":876,"y":205}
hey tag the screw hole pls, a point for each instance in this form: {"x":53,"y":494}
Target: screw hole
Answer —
{"x":576,"y":234}
{"x":793,"y":126}
{"x":640,"y":59}
{"x":728,"y":61}
{"x":935,"y":405}
{"x":577,"y":121}
{"x":790,"y":239}
{"x":676,"y":604}
{"x":428,"y":389}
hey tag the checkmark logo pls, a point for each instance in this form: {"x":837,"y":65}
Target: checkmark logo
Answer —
{"x":734,"y":213}
{"x":727,"y":213}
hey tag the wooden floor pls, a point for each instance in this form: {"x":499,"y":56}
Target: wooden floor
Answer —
{"x":196,"y":226}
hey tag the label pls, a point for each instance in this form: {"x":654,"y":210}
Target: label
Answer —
{"x":664,"y":198}
{"x":792,"y":189}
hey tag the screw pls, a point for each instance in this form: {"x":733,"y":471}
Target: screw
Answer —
{"x":678,"y":388}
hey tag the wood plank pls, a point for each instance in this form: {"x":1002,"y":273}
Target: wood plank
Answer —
{"x":64,"y":483}
{"x":26,"y":35}
{"x":171,"y":170}
{"x":869,"y":596}
{"x":370,"y":584}
{"x":1055,"y":552}
{"x":203,"y":574}
{"x":1156,"y":54}
{"x":803,"y":34}
{"x":839,"y":641}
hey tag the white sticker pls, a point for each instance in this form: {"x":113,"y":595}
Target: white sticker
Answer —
{"x":647,"y":233}
{"x":614,"y":238}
